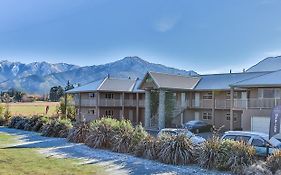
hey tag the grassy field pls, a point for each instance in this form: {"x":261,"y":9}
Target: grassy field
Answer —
{"x":27,"y":161}
{"x":32,"y":108}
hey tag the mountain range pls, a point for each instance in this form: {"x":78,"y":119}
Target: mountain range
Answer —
{"x":39,"y":77}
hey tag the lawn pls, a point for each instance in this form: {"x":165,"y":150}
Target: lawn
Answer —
{"x":27,"y":161}
{"x":32,"y":108}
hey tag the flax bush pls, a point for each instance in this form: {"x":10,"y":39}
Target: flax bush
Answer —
{"x":102,"y":132}
{"x":57,"y":128}
{"x":258,"y":168}
{"x":148,"y":148}
{"x":79,"y":132}
{"x":273,"y":162}
{"x":177,"y":150}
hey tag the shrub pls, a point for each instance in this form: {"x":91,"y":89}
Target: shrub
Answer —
{"x":148,"y":148}
{"x":273,"y":162}
{"x":122,"y":136}
{"x":240,"y":155}
{"x":176,"y":150}
{"x":138,"y":135}
{"x":208,"y":152}
{"x":18,"y":122}
{"x":3,"y":121}
{"x":79,"y":133}
{"x":101,"y":133}
{"x":57,"y":128}
{"x":32,"y":122}
{"x":257,"y":169}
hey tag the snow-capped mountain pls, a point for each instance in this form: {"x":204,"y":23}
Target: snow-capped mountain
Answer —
{"x":40,"y":77}
{"x":267,"y":64}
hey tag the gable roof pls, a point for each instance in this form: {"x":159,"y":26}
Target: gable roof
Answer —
{"x":168,"y":81}
{"x":223,"y":81}
{"x":109,"y":84}
{"x":269,"y":79}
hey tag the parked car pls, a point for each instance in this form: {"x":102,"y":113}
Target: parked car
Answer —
{"x":259,"y":141}
{"x":175,"y":131}
{"x":197,"y":126}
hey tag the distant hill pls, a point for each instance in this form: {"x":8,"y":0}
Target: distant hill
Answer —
{"x":267,"y":64}
{"x":39,"y":77}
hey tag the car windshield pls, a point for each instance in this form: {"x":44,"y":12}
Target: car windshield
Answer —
{"x":194,"y":122}
{"x":275,"y":142}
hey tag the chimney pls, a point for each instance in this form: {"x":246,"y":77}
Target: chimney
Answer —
{"x":230,"y":71}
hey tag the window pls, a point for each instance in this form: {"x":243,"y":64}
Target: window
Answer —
{"x":235,"y":115}
{"x":235,"y":95}
{"x":109,"y":95}
{"x":207,"y":116}
{"x":208,"y":95}
{"x":269,"y":92}
{"x":91,"y":111}
{"x":109,"y":112}
{"x":92,"y":95}
{"x":229,"y":137}
{"x":258,"y":143}
{"x":243,"y":138}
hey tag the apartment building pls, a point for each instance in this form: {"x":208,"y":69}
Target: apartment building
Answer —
{"x":114,"y":97}
{"x":237,"y":101}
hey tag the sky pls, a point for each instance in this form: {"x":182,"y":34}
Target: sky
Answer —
{"x":207,"y":36}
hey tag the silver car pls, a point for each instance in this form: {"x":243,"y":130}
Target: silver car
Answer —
{"x":174,"y":131}
{"x":259,"y":141}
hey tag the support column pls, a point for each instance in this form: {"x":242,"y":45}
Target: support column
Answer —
{"x":213,"y":107}
{"x":65,"y":104}
{"x":98,"y":105}
{"x":137,"y":108}
{"x":231,"y":108}
{"x":123,"y":105}
{"x":147,"y":109}
{"x":161,"y":109}
{"x":80,"y":116}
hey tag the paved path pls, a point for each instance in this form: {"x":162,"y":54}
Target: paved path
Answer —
{"x":114,"y":163}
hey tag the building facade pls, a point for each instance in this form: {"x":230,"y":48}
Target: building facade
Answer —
{"x":234,"y":101}
{"x":115,"y":97}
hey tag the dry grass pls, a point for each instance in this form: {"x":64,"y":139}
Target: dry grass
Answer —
{"x":32,"y":108}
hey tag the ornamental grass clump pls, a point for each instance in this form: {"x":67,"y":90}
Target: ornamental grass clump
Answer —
{"x":79,"y":132}
{"x":101,"y":133}
{"x":258,"y":168}
{"x":273,"y":162}
{"x":148,"y":148}
{"x":240,"y":156}
{"x":177,"y":150}
{"x":35,"y":123}
{"x":138,"y":135}
{"x":122,"y":136}
{"x":18,"y":122}
{"x":208,"y":153}
{"x":57,"y":128}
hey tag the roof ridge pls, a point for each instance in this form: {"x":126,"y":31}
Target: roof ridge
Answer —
{"x":178,"y":75}
{"x":237,"y":73}
{"x":252,"y":78}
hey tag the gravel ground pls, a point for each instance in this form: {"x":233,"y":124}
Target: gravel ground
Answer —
{"x":114,"y":163}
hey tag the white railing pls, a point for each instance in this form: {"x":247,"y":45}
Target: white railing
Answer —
{"x":141,"y":103}
{"x":130,"y":102}
{"x":110,"y":102}
{"x":203,"y":103}
{"x":222,"y":104}
{"x":88,"y":102}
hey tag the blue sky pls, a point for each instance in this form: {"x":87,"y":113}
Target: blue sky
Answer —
{"x":208,"y":36}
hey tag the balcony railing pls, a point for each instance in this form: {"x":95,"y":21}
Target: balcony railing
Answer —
{"x":203,"y":103}
{"x":141,"y":103}
{"x":130,"y":102}
{"x":88,"y":102}
{"x":110,"y":102}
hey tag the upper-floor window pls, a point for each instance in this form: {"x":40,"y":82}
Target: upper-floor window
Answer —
{"x":208,"y":95}
{"x":235,"y":95}
{"x":207,"y":116}
{"x":109,"y":95}
{"x":91,"y":111}
{"x":269,"y":92}
{"x":92,"y":95}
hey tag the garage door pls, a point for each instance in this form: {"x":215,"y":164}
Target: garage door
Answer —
{"x":260,"y":124}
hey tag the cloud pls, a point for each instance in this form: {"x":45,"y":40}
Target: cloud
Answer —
{"x":167,"y":23}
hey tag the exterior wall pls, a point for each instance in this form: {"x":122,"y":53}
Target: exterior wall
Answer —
{"x":87,"y":114}
{"x":248,"y":113}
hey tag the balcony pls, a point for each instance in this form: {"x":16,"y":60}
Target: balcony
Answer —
{"x":257,"y":103}
{"x":88,"y":102}
{"x":141,"y":103}
{"x":110,"y":102}
{"x":130,"y":102}
{"x":203,"y":103}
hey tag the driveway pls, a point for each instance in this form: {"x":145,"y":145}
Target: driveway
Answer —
{"x":114,"y":163}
